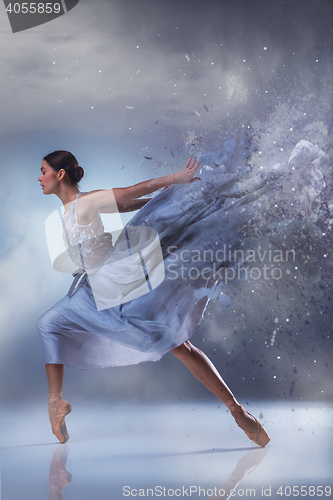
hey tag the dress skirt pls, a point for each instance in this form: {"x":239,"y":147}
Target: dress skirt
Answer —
{"x":200,"y":227}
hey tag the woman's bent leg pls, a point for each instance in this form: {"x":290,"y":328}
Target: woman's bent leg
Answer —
{"x":55,"y":374}
{"x":58,"y":408}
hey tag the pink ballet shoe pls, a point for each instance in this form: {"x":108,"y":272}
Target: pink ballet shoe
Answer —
{"x":245,"y":421}
{"x":59,"y":428}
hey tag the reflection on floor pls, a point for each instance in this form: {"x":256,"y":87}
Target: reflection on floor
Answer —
{"x":185,"y":451}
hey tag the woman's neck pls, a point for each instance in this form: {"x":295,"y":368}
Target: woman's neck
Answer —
{"x":67,"y":194}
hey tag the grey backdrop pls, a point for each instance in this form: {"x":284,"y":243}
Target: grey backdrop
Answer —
{"x":115,"y":82}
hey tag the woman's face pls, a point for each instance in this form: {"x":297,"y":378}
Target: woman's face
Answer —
{"x":48,"y":178}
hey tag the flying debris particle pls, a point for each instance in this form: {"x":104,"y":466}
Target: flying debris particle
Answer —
{"x":195,"y":111}
{"x":138,"y":71}
{"x":173,"y":154}
{"x":148,"y":157}
{"x":130,"y":107}
{"x":187,"y":57}
{"x":206,"y":108}
{"x":137,"y":46}
{"x":99,"y":71}
{"x":265,"y":48}
{"x":155,"y":123}
{"x":122,"y":167}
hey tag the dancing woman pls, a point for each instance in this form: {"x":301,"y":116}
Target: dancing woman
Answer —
{"x":75,"y":332}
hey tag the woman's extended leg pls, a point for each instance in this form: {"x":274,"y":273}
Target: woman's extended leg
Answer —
{"x":204,"y":370}
{"x":58,"y":408}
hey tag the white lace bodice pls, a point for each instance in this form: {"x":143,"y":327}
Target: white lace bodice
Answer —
{"x":87,"y":245}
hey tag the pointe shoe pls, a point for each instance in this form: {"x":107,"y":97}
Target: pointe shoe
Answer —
{"x":244,"y":419}
{"x":59,"y":428}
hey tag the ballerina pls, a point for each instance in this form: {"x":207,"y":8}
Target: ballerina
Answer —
{"x":78,"y":333}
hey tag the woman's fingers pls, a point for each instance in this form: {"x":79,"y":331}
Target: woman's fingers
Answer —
{"x":188,"y":163}
{"x":193,"y":164}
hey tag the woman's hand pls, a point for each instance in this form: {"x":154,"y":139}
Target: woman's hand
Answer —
{"x":185,"y":176}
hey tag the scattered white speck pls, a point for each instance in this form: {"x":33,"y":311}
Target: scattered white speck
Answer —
{"x":274,"y":376}
{"x":92,"y":107}
{"x":304,"y":114}
{"x":281,"y":149}
{"x":196,"y":113}
{"x":314,"y":361}
{"x":325,"y":255}
{"x":130,"y":107}
{"x":278,"y":357}
{"x":266,"y":91}
{"x":137,"y":46}
{"x":100,"y":71}
{"x":138,"y":71}
{"x":187,"y":57}
{"x":213,"y":64}
{"x":53,"y":62}
{"x":265,"y":48}
{"x":129,"y":128}
{"x":317,"y":60}
{"x":276,"y":320}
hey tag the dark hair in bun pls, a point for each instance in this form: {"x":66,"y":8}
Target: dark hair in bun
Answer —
{"x":65,"y":160}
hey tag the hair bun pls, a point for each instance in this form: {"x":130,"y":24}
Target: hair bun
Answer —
{"x":77,"y":174}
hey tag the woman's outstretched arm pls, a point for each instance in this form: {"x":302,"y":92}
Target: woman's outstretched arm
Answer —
{"x":127,"y":199}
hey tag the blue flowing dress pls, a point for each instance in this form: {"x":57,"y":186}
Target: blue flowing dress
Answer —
{"x":199,"y":226}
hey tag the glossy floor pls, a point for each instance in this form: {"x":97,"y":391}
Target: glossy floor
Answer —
{"x":163,"y":451}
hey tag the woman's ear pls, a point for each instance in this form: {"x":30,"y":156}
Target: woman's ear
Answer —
{"x":61,"y":174}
